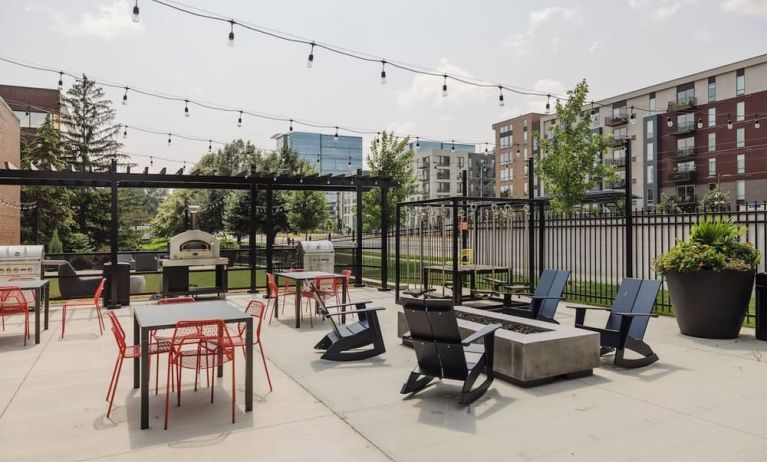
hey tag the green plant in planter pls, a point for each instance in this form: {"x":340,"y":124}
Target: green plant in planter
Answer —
{"x":713,"y":245}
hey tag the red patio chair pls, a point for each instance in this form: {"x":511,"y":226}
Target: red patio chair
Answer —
{"x":165,"y":335}
{"x":85,"y":303}
{"x":196,"y":345}
{"x":125,"y":351}
{"x":32,"y":292}
{"x":274,"y":294}
{"x":290,"y":289}
{"x":12,"y":301}
{"x":347,"y":273}
{"x":326,"y":287}
{"x":256,"y":309}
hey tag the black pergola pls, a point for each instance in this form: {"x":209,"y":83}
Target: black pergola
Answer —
{"x":251,"y":180}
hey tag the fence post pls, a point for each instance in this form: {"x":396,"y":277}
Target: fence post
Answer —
{"x":531,"y":222}
{"x":541,"y":235}
{"x":397,"y":252}
{"x":252,"y":238}
{"x":629,"y":221}
{"x":114,"y":239}
{"x":384,"y":236}
{"x":270,"y":234}
{"x":457,"y":282}
{"x":358,"y":260}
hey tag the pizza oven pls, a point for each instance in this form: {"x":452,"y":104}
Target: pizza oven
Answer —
{"x":194,"y":247}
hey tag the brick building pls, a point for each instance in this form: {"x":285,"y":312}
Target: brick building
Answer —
{"x":514,"y":145}
{"x":10,"y":151}
{"x":31,"y":106}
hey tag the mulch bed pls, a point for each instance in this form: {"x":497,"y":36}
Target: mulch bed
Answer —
{"x":508,"y":325}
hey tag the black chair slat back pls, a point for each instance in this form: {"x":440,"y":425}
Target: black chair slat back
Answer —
{"x":322,"y":309}
{"x":544,"y":283}
{"x":643,"y":304}
{"x":556,"y":289}
{"x":624,"y":301}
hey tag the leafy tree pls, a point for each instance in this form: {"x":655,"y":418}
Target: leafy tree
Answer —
{"x":716,"y":200}
{"x":668,"y":205}
{"x":171,"y":214}
{"x":53,"y":209}
{"x":391,"y":157}
{"x":308,"y":210}
{"x":55,"y":245}
{"x":569,"y":164}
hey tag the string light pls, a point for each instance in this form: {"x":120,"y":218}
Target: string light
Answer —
{"x":151,"y":159}
{"x":210,"y":145}
{"x":186,"y":108}
{"x":169,"y":141}
{"x":136,"y":18}
{"x":669,"y":122}
{"x":383,"y":72}
{"x":452,"y":146}
{"x":335,"y":137}
{"x":125,"y":132}
{"x":500,"y":96}
{"x":61,"y":80}
{"x":230,"y":42}
{"x":633,"y":116}
{"x":729,"y":122}
{"x":548,"y":104}
{"x":417,"y":143}
{"x":125,"y":97}
{"x":700,"y":122}
{"x":310,"y":60}
{"x":444,"y":87}
{"x":756,"y":122}
{"x":291,"y":125}
{"x":592,"y":107}
{"x":485,"y":148}
{"x":239,"y":120}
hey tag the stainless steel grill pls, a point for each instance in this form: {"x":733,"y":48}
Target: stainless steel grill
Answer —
{"x":317,"y":256}
{"x":21,"y":261}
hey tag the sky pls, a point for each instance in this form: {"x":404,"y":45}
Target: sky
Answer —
{"x":616,"y":45}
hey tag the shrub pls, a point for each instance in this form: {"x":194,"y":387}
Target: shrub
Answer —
{"x":713,"y":245}
{"x":55,"y":245}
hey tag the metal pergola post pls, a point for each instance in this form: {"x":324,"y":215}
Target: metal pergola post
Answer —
{"x":252,"y":238}
{"x":270,"y":234}
{"x":397,"y":228}
{"x":358,"y":251}
{"x":531,"y":223}
{"x":457,"y":283}
{"x":629,"y":238}
{"x":114,"y":242}
{"x":384,"y":238}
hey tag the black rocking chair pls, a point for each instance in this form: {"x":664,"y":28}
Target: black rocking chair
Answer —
{"x":626,"y":326}
{"x":545,"y":300}
{"x":345,"y":341}
{"x":442,"y":353}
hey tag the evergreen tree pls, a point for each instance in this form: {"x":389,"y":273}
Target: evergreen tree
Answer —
{"x":53,"y":208}
{"x":390,"y":157}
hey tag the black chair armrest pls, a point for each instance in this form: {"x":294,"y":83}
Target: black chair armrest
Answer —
{"x":493,"y":281}
{"x":366,"y":310}
{"x":540,"y":297}
{"x":485,"y":331}
{"x":349,"y":304}
{"x":637,"y":315}
{"x":417,"y":293}
{"x":588,"y":307}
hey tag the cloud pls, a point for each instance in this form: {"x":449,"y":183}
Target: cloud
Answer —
{"x":555,"y":41}
{"x":659,"y":10}
{"x":702,"y":36}
{"x":426,"y":89}
{"x":401,"y":128}
{"x":595,"y":46}
{"x":111,"y":21}
{"x":746,"y":7}
{"x":548,"y":86}
{"x":518,"y":41}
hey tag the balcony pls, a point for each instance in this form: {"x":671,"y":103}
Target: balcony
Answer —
{"x":682,"y":177}
{"x":686,"y":128}
{"x":682,"y":105}
{"x":618,"y":162}
{"x":686,"y":200}
{"x":620,"y":183}
{"x":614,"y":121}
{"x":684,"y":153}
{"x":619,"y":141}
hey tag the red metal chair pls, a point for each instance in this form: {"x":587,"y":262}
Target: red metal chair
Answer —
{"x":85,"y":303}
{"x":12,"y":301}
{"x":347,"y":273}
{"x":257,"y":310}
{"x":326,"y":287}
{"x":126,"y":351}
{"x":32,"y":292}
{"x":196,"y":345}
{"x":274,"y":294}
{"x":165,"y":336}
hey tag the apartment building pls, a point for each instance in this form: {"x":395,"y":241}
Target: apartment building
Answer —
{"x":10,"y":147}
{"x":514,"y":145}
{"x":687,"y":135}
{"x":439,"y":168}
{"x":31,"y":106}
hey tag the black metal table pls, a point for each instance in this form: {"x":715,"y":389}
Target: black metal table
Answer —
{"x":41,"y":287}
{"x":299,"y":277}
{"x":153,"y":317}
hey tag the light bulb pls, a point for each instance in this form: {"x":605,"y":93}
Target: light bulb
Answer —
{"x":310,"y":61}
{"x":239,"y":120}
{"x":452,"y":147}
{"x":444,"y":87}
{"x":210,"y":145}
{"x":186,"y":108}
{"x":383,"y":72}
{"x":669,"y":122}
{"x":125,"y":132}
{"x":125,"y":97}
{"x":291,"y":125}
{"x":335,"y":137}
{"x":633,"y":117}
{"x":485,"y":148}
{"x":700,"y":122}
{"x":548,"y":103}
{"x":136,"y":18}
{"x":756,"y":122}
{"x":500,"y":96}
{"x":417,"y":143}
{"x":230,"y":42}
{"x":151,"y":161}
{"x":729,"y":122}
{"x":61,"y":81}
{"x":169,"y":140}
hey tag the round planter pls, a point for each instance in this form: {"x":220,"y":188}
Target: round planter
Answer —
{"x":710,"y":304}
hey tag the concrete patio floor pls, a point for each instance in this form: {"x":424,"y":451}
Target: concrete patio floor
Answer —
{"x":703,"y":401}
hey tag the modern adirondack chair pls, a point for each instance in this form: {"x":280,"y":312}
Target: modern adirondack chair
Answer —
{"x":345,"y":341}
{"x":545,"y":300}
{"x":626,"y":326}
{"x":442,"y":353}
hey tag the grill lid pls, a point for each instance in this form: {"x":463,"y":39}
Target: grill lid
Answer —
{"x":315,"y":247}
{"x":21,"y":252}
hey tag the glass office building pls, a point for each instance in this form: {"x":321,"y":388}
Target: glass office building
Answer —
{"x":327,"y":154}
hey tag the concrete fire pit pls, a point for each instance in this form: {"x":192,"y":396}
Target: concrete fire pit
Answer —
{"x":547,"y":352}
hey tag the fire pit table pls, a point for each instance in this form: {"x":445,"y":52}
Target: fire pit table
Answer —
{"x":529,"y":352}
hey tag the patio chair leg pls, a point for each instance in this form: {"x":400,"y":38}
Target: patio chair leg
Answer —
{"x":167,"y":392}
{"x":415,"y":383}
{"x":266,"y":369}
{"x":114,"y":388}
{"x":101,"y":320}
{"x":112,"y":380}
{"x":638,"y":346}
{"x":63,"y":319}
{"x":234,"y":389}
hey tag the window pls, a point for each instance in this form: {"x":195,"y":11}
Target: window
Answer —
{"x":685,"y":122}
{"x":650,"y":151}
{"x":650,"y":128}
{"x":650,"y":196}
{"x":686,"y":193}
{"x":740,"y":137}
{"x":740,"y":112}
{"x":535,"y":144}
{"x":711,"y":89}
{"x":526,"y":189}
{"x":505,"y":174}
{"x":650,"y":174}
{"x":620,"y":134}
{"x":740,"y":82}
{"x":505,"y":140}
{"x":688,"y":166}
{"x":443,"y":187}
{"x":741,"y":163}
{"x":524,"y":136}
{"x":525,"y":171}
{"x":712,"y":166}
{"x":525,"y":152}
{"x":741,"y":190}
{"x":685,"y":96}
{"x":504,"y":191}
{"x":652,"y":103}
{"x":711,"y":142}
{"x":443,"y":174}
{"x":712,"y":117}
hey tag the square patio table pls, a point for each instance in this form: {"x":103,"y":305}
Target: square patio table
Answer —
{"x":154,"y":317}
{"x":41,"y":288}
{"x":299,"y":277}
